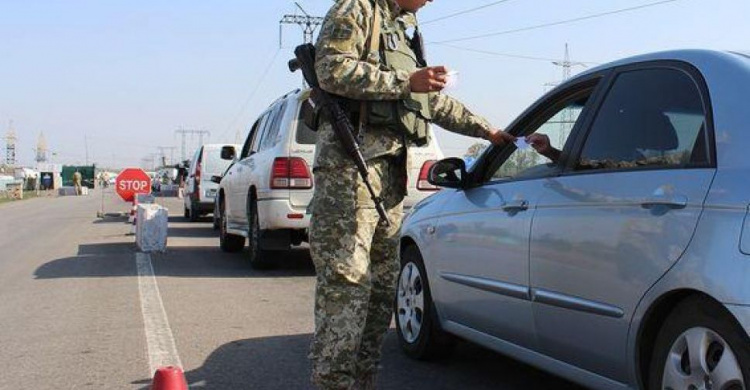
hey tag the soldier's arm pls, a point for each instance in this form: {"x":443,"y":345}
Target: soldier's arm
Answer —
{"x":453,"y":116}
{"x":339,"y":62}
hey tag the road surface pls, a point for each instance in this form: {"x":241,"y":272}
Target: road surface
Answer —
{"x":77,"y":312}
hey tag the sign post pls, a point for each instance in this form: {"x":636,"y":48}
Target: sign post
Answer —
{"x":132,"y":181}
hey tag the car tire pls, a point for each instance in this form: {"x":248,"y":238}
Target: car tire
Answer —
{"x":228,"y":242}
{"x":417,"y":324}
{"x":259,"y":258}
{"x":194,"y":214}
{"x":700,"y":324}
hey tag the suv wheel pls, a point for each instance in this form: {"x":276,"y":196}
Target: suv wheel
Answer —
{"x":417,"y":325}
{"x":228,"y":242}
{"x":259,"y":258}
{"x":194,"y":214}
{"x":700,"y":347}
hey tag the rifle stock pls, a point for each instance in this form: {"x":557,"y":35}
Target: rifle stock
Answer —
{"x":342,"y":126}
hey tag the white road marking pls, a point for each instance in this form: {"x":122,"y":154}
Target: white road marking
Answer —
{"x":161,"y":346}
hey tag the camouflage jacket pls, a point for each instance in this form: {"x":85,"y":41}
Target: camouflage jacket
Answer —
{"x":342,"y":71}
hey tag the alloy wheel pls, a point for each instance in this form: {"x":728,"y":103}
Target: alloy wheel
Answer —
{"x":410,"y":302}
{"x":700,"y":359}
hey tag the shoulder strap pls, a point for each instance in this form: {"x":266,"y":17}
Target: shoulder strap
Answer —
{"x":372,"y":45}
{"x":373,"y":40}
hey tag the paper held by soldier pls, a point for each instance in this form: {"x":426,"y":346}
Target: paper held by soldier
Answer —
{"x":451,"y":79}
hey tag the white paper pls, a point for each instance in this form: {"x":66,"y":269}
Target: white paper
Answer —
{"x":521,"y":143}
{"x":451,"y":79}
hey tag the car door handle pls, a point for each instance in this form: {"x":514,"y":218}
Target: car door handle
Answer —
{"x":672,"y":202}
{"x":515,"y":206}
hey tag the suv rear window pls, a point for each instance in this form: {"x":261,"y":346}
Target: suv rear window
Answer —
{"x":305,"y":136}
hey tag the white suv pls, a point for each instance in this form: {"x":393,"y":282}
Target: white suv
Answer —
{"x":264,"y":195}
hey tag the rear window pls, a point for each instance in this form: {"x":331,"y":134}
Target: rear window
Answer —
{"x":305,"y":135}
{"x":212,"y":162}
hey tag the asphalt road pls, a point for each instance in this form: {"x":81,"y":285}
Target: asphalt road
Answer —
{"x":71,"y":315}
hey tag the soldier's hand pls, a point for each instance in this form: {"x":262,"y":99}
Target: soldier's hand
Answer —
{"x":430,"y":79}
{"x":499,"y":137}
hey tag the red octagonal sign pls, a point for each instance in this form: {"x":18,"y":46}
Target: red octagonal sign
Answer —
{"x":132,"y":181}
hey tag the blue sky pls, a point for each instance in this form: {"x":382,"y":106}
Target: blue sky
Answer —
{"x":122,"y":76}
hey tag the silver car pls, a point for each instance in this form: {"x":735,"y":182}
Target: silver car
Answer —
{"x":623,"y":262}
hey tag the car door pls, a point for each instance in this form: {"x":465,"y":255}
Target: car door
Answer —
{"x":240,"y":179}
{"x":481,"y":250}
{"x":621,"y":215}
{"x":229,"y":181}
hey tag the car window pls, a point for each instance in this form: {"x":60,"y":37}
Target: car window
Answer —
{"x":258,"y":136}
{"x":272,"y":131}
{"x":249,"y":141}
{"x":558,"y":127}
{"x":650,"y":118}
{"x":305,"y":135}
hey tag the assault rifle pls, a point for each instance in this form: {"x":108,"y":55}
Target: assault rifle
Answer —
{"x":342,"y":125}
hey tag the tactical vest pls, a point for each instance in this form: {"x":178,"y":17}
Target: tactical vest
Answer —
{"x":408,"y":117}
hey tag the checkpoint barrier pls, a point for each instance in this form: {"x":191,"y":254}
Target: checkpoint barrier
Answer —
{"x":169,"y":378}
{"x":169,"y":190}
{"x":71,"y":191}
{"x":151,"y":227}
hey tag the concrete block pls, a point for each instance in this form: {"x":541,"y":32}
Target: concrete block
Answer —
{"x":151,"y":227}
{"x":144,"y":199}
{"x":66,"y":191}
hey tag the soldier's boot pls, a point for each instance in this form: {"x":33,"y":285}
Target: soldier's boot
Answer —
{"x":366,"y":381}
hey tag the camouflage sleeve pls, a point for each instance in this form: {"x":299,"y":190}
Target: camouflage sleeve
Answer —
{"x":452,"y":115}
{"x":339,"y":62}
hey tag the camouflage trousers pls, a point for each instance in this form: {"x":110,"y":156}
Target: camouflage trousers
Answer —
{"x":356,"y":262}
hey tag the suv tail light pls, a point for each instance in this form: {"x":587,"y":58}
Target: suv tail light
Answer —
{"x":290,"y":173}
{"x":422,"y":183}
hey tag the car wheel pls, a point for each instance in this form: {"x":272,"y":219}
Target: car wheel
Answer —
{"x":700,"y":347}
{"x":194,"y":214}
{"x":228,"y":242}
{"x":259,"y":258}
{"x":417,"y":325}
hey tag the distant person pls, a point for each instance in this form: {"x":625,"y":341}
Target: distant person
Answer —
{"x":77,"y":178}
{"x":46,"y":181}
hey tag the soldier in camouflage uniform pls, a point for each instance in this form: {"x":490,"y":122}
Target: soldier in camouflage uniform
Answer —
{"x":355,"y":256}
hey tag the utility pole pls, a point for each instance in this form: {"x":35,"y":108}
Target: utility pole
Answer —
{"x":86,"y":145}
{"x":162,"y":150}
{"x":566,"y":120}
{"x":184,"y":133}
{"x":308,"y":24}
{"x":10,"y":145}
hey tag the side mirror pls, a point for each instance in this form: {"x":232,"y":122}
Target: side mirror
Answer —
{"x":448,"y":173}
{"x":216,"y":179}
{"x":228,"y":153}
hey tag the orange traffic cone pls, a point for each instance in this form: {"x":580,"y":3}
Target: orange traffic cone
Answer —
{"x":169,"y":378}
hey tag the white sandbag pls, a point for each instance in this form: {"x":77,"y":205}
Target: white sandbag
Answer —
{"x":151,"y":228}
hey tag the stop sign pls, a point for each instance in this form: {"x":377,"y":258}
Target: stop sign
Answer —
{"x":132,"y":181}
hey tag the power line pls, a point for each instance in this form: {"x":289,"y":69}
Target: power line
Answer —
{"x":464,"y":12}
{"x":252,"y":94}
{"x":551,"y":24}
{"x":517,"y":56}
